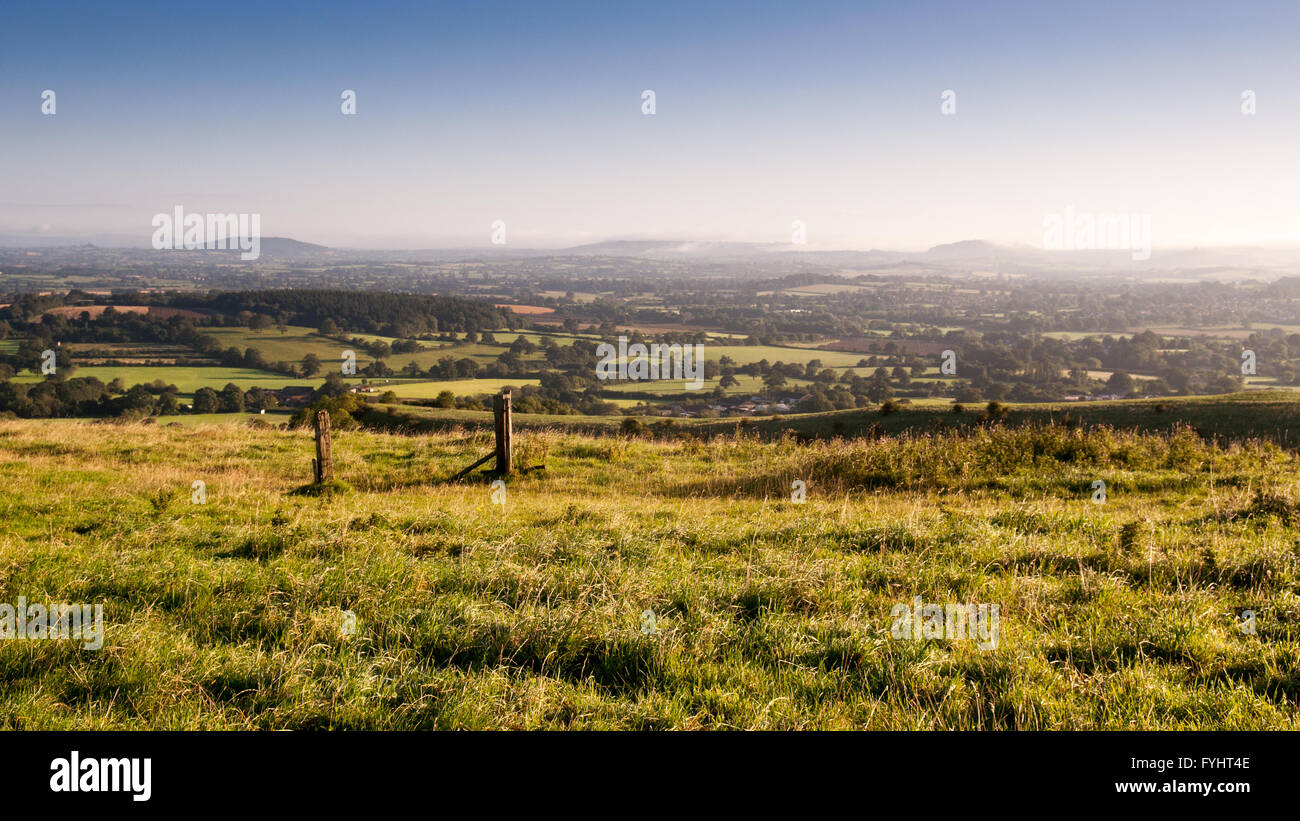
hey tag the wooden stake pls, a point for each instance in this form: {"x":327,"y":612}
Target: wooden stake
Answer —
{"x":505,"y":451}
{"x":323,"y":464}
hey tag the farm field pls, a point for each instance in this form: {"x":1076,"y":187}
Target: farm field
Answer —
{"x":276,"y":416}
{"x":460,"y":387}
{"x":300,"y":341}
{"x":187,"y":378}
{"x":674,"y":387}
{"x":747,"y":354}
{"x":291,"y":346}
{"x":766,"y":613}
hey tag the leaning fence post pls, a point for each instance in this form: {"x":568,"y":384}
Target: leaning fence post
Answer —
{"x":501,"y":414}
{"x":323,"y":464}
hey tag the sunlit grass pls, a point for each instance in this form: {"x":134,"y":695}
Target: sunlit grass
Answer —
{"x":770,"y":614}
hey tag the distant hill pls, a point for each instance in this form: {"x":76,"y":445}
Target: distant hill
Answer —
{"x":673,"y":248}
{"x":285,"y":247}
{"x":969,"y":249}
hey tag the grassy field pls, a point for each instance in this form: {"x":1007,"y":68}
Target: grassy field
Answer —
{"x":675,"y":388}
{"x":460,"y":387}
{"x":1272,"y":416}
{"x":536,"y":613}
{"x":748,"y":354}
{"x":297,"y":342}
{"x":291,"y":346}
{"x":188,"y":378}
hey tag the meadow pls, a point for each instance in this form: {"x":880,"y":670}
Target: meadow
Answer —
{"x":187,"y":378}
{"x":297,"y":341}
{"x":650,"y":583}
{"x":429,"y":389}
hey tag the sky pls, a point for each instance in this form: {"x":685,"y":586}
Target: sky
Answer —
{"x":830,"y":114}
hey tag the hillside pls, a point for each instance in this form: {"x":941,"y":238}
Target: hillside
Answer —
{"x":762,"y":612}
{"x":1272,"y":416}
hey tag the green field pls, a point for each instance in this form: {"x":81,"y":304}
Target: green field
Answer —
{"x":746,"y":385}
{"x":187,"y":378}
{"x":291,"y":346}
{"x":460,"y":387}
{"x":190,"y":378}
{"x":298,"y":342}
{"x":767,"y":613}
{"x":749,"y":354}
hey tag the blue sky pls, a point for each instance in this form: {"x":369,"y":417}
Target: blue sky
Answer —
{"x":767,"y":113}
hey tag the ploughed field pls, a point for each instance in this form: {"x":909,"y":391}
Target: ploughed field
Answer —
{"x":650,"y":584}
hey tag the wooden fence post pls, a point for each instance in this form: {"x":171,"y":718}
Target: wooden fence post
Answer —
{"x":323,"y":464}
{"x":501,"y":414}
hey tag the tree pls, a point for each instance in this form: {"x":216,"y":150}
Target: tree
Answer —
{"x":232,"y":398}
{"x":311,"y":365}
{"x":206,"y":401}
{"x":260,"y":399}
{"x":138,"y":398}
{"x":1120,"y":383}
{"x":880,"y":391}
{"x":334,"y":386}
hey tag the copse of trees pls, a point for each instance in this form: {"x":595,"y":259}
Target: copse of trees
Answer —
{"x":372,"y":312}
{"x":67,"y":397}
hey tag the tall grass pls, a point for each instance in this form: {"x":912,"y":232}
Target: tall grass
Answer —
{"x":768,"y":613}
